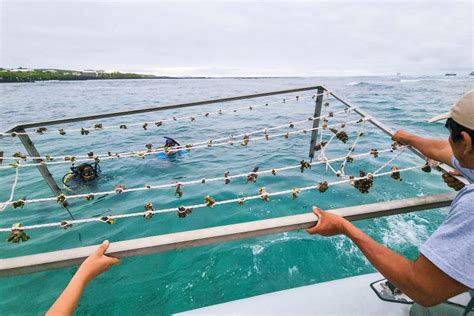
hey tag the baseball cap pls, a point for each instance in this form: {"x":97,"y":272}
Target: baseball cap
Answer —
{"x":462,"y":111}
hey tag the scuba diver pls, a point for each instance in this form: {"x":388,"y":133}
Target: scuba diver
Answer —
{"x":170,"y":145}
{"x":80,"y":176}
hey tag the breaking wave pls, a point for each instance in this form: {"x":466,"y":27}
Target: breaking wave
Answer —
{"x":369,"y":85}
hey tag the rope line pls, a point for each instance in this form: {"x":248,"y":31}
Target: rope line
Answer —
{"x":323,"y":148}
{"x":49,"y":157}
{"x":202,"y":205}
{"x":209,"y":144}
{"x":191,"y":182}
{"x":360,"y":133}
{"x":391,"y":160}
{"x":158,"y":123}
{"x":4,"y":205}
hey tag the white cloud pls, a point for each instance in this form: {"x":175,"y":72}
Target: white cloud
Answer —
{"x":240,"y":37}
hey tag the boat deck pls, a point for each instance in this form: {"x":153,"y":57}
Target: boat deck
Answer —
{"x":350,"y":296}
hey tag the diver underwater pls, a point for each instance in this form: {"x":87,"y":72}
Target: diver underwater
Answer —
{"x":80,"y":176}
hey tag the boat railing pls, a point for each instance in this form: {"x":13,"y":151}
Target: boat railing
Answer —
{"x":200,"y":237}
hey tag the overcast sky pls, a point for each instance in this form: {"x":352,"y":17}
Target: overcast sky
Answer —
{"x":240,"y":38}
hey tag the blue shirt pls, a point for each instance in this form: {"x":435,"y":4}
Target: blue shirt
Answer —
{"x":451,"y":247}
{"x":467,"y":173}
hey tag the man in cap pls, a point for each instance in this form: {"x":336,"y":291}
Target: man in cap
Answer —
{"x":445,"y":267}
{"x":460,"y":123}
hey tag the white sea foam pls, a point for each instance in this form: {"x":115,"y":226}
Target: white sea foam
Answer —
{"x":256,"y":249}
{"x":410,"y":80}
{"x":354,"y":83}
{"x":259,"y":248}
{"x":435,"y":79}
{"x":404,"y":232}
{"x":293,"y":270}
{"x":346,"y":247}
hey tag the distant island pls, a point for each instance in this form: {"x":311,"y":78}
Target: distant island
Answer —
{"x":31,"y":75}
{"x":21,"y":74}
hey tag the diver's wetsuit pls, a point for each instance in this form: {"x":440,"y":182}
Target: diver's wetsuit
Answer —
{"x":76,"y":178}
{"x":170,"y":145}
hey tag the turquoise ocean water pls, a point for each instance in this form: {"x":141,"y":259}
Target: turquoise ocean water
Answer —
{"x":181,"y":280}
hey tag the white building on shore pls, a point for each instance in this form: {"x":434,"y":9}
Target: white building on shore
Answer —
{"x":89,"y":73}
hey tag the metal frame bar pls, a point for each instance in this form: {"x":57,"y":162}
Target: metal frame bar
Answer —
{"x":156,"y":108}
{"x":149,"y":245}
{"x":442,"y":167}
{"x":33,"y":152}
{"x":317,"y":113}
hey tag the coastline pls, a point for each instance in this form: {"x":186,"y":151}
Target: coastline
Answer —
{"x":33,"y":75}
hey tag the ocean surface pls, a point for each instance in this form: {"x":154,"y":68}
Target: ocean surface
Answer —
{"x":176,"y":281}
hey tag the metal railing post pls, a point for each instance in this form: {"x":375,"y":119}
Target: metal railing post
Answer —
{"x":33,"y":152}
{"x":317,"y":113}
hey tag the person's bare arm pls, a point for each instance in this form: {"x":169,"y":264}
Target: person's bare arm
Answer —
{"x":436,"y":149}
{"x":94,"y":265}
{"x":421,"y":280}
{"x":67,"y":301}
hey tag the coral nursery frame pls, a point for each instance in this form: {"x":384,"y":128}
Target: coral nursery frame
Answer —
{"x":149,"y":245}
